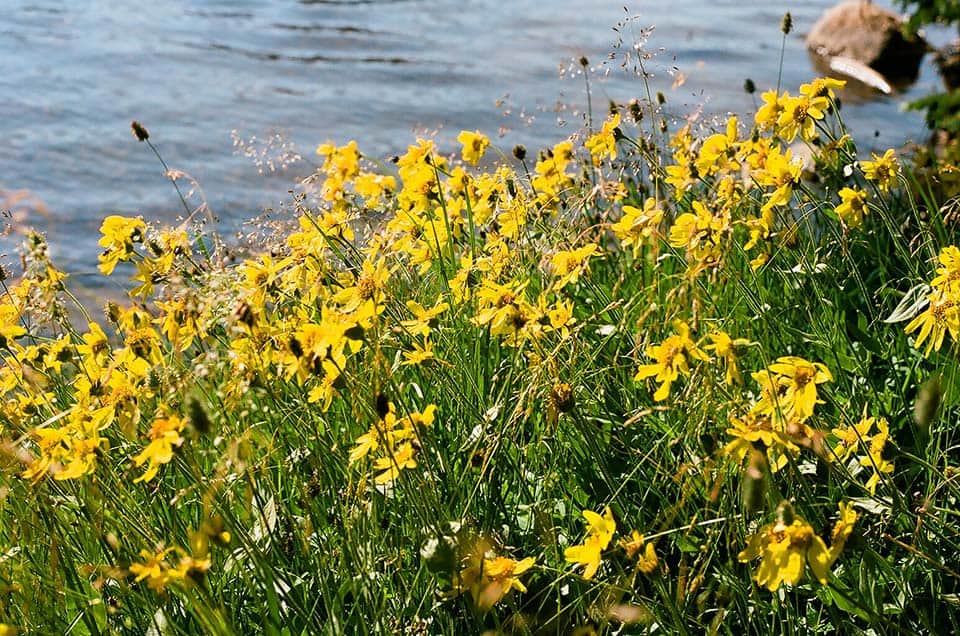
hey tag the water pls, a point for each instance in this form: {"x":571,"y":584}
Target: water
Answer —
{"x":73,"y":73}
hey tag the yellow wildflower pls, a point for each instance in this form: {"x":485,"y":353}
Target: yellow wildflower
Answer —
{"x":340,"y":167}
{"x":637,"y":225}
{"x":874,"y":458}
{"x":947,"y":279}
{"x":800,"y":115}
{"x":792,"y":385}
{"x":568,"y":265}
{"x":396,"y":460}
{"x":551,"y":173}
{"x":940,"y":317}
{"x":718,"y":152}
{"x":419,"y":355}
{"x":681,"y":174}
{"x":644,"y":553}
{"x":773,"y":106}
{"x":842,"y":530}
{"x":370,"y":441}
{"x":179,"y":321}
{"x":158,"y":574}
{"x":785,"y":548}
{"x":760,"y":428}
{"x":600,"y":530}
{"x":500,"y":307}
{"x":394,"y":439}
{"x":728,"y":350}
{"x":781,"y":172}
{"x":154,"y":570}
{"x":425,"y":319}
{"x":849,"y":438}
{"x":671,"y":359}
{"x":853,"y":207}
{"x":498,"y":577}
{"x":561,"y":317}
{"x":373,"y":186}
{"x":882,"y":170}
{"x":10,"y":325}
{"x":119,"y":235}
{"x":822,"y":87}
{"x":474,"y":145}
{"x":489,"y":578}
{"x":164,"y":436}
{"x":368,"y":292}
{"x":604,"y":143}
{"x":71,"y":451}
{"x":700,"y":233}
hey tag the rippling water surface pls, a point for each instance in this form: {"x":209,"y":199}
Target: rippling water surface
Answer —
{"x":73,"y":73}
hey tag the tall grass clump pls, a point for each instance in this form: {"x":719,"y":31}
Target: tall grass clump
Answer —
{"x":653,"y":379}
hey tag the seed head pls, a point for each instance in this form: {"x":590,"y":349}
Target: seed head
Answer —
{"x":787,"y":25}
{"x":112,"y":312}
{"x":139,"y":131}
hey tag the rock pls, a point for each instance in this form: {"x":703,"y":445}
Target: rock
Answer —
{"x":870,"y":34}
{"x":948,"y":61}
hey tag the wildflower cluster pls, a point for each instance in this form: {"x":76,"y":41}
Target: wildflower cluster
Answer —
{"x":394,"y":441}
{"x":786,"y":546}
{"x":452,"y":352}
{"x":850,"y":439}
{"x":600,"y":531}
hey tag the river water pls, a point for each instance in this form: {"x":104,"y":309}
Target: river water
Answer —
{"x":281,"y":76}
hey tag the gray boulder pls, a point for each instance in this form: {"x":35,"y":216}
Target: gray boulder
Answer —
{"x":869,"y":34}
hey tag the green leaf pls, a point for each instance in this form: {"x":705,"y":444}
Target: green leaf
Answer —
{"x":832,"y":594}
{"x":685,"y":544}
